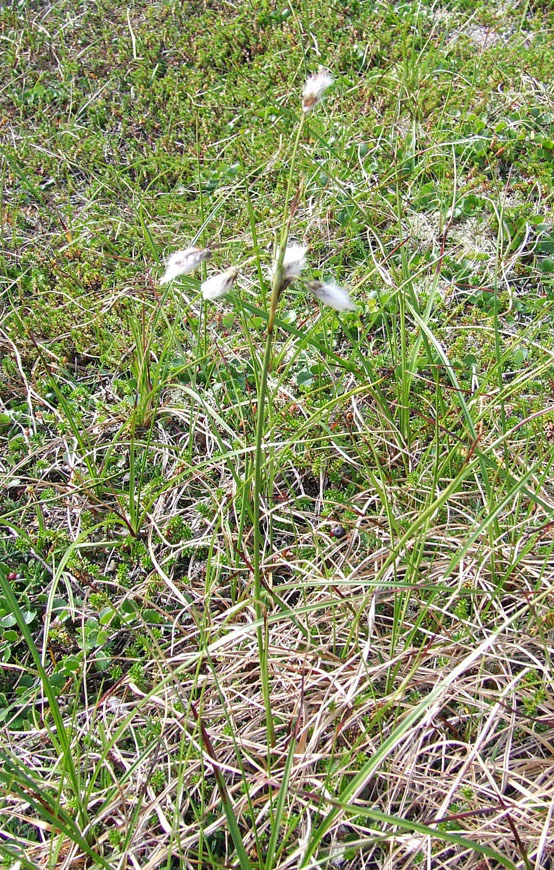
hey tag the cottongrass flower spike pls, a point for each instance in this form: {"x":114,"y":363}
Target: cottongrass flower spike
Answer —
{"x":219,"y":285}
{"x":294,"y":261}
{"x":333,"y":295}
{"x":183,"y":262}
{"x":314,"y":89}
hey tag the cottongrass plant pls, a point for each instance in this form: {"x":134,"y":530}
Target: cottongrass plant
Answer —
{"x":289,"y":263}
{"x":366,"y":713}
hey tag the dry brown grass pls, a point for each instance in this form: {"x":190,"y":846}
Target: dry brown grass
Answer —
{"x":357,"y":662}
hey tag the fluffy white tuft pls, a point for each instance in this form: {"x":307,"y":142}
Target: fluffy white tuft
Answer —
{"x":219,"y":285}
{"x":333,"y":295}
{"x":314,"y":89}
{"x":183,"y":262}
{"x":294,"y":260}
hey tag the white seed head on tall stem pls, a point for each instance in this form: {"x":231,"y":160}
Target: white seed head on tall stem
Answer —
{"x":219,"y":285}
{"x":314,"y":89}
{"x":183,"y":262}
{"x":333,"y":295}
{"x":294,"y":261}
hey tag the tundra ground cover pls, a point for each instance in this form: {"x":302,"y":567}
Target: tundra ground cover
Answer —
{"x":403,"y":552}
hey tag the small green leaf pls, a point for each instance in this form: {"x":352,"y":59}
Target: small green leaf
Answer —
{"x":520,"y":355}
{"x":151,"y":615}
{"x":304,"y":377}
{"x":57,"y":681}
{"x":71,"y":663}
{"x":106,"y":615}
{"x":102,"y":661}
{"x":8,"y":620}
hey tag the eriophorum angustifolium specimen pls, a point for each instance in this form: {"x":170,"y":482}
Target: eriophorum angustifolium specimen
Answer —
{"x":289,"y":264}
{"x":314,"y":89}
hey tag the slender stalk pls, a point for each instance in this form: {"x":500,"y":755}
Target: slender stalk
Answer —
{"x":276,"y":285}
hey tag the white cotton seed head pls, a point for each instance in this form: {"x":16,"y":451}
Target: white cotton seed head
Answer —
{"x":333,"y":295}
{"x":219,"y":285}
{"x":314,"y":89}
{"x":294,"y":260}
{"x":183,"y":262}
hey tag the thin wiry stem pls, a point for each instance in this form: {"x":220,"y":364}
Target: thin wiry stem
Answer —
{"x":276,"y":285}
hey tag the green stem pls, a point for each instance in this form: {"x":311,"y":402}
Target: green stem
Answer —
{"x":276,"y":285}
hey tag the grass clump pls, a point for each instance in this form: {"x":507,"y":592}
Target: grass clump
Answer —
{"x":276,"y":577}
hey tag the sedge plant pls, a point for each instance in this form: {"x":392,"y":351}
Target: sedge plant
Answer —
{"x":289,"y":262}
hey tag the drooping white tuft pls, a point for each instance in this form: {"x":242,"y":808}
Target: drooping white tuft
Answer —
{"x":183,"y":262}
{"x":314,"y":89}
{"x":294,"y":260}
{"x":219,"y":285}
{"x":333,"y":295}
